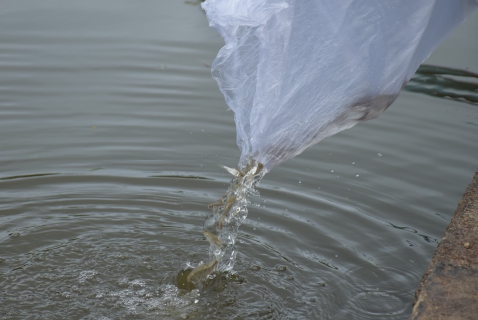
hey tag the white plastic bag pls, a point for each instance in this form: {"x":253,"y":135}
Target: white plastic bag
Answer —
{"x":297,"y":71}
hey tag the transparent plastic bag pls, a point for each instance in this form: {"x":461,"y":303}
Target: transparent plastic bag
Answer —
{"x":297,"y":71}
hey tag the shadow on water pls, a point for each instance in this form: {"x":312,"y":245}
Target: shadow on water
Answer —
{"x":25,"y":176}
{"x":442,"y":82}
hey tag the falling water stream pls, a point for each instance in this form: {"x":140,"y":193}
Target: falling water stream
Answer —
{"x":228,"y":213}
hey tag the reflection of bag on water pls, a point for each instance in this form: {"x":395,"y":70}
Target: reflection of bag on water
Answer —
{"x":297,"y":71}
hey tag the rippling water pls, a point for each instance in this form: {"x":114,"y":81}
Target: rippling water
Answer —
{"x":111,"y":130}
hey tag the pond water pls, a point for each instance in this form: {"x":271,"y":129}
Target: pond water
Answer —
{"x":111,"y":133}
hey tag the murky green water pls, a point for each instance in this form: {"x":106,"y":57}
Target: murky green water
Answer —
{"x":111,"y":130}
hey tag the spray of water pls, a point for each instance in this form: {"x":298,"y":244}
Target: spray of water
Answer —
{"x":222,"y":224}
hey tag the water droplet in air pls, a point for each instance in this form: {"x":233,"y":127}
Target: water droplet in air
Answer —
{"x":357,"y":175}
{"x":331,"y":170}
{"x":353,"y":162}
{"x":300,"y":181}
{"x":379,"y":154}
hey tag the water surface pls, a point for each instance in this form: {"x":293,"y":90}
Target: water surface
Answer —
{"x":111,"y":130}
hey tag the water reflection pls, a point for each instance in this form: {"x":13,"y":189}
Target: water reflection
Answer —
{"x":460,"y":85}
{"x":33,"y":175}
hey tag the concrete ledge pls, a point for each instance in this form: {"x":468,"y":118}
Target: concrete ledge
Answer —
{"x":449,"y":288}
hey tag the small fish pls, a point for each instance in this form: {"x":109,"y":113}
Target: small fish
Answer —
{"x":218,"y":203}
{"x":212,"y":238}
{"x":203,"y":270}
{"x":260,"y":166}
{"x":236,"y":173}
{"x":229,"y":203}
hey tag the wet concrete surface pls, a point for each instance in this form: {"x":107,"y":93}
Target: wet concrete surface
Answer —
{"x":449,"y":288}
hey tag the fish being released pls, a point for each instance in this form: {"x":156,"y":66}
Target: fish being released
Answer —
{"x":297,"y":71}
{"x":221,"y":226}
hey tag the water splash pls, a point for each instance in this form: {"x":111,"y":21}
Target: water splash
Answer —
{"x":222,"y":224}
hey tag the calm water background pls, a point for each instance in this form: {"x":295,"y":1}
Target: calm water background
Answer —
{"x":111,"y":130}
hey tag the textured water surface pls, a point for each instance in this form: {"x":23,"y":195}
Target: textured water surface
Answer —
{"x":111,"y":130}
